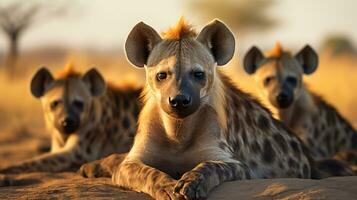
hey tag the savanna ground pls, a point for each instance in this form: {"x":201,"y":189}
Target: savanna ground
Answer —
{"x":23,"y":135}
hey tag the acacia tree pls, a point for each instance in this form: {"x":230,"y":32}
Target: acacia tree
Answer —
{"x":242,"y":15}
{"x":16,"y":18}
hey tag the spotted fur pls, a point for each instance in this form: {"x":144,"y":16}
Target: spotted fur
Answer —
{"x":107,"y":122}
{"x":230,"y":136}
{"x":318,"y":124}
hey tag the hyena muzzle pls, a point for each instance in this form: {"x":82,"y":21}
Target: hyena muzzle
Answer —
{"x":319,"y":125}
{"x":196,"y":129}
{"x":87,"y":119}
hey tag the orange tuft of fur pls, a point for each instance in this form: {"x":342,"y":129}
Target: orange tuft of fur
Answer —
{"x":68,"y":71}
{"x":181,"y":30}
{"x":277,"y":51}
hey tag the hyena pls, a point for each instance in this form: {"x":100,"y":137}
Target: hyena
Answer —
{"x":196,"y":129}
{"x":318,"y":124}
{"x":88,"y":119}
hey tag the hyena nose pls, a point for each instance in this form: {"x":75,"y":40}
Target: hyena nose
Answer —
{"x":283,"y":99}
{"x":69,"y":125}
{"x":180,"y":101}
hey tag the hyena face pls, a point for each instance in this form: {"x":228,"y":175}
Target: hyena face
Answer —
{"x":279,"y":74}
{"x":180,"y":69}
{"x":181,"y":78}
{"x":67,"y":100}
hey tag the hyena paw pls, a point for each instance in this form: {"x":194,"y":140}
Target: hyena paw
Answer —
{"x":192,"y":185}
{"x":93,"y":169}
{"x":166,"y":192}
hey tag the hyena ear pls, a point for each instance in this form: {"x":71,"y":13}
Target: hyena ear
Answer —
{"x":252,"y":60}
{"x":219,"y":40}
{"x":40,"y":82}
{"x":140,"y":42}
{"x":95,"y":82}
{"x":308,"y":59}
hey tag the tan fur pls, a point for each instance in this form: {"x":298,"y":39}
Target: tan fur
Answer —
{"x":108,"y":125}
{"x":317,"y":123}
{"x":230,"y":136}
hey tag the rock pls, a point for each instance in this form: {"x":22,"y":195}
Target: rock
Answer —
{"x":73,"y":186}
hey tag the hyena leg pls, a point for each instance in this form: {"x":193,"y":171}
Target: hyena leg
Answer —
{"x":49,"y":162}
{"x":197,"y":183}
{"x":139,"y":177}
{"x":103,"y":167}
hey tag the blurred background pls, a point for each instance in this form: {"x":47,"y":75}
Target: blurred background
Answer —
{"x":90,"y":33}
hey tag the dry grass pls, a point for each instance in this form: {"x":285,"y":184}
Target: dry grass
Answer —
{"x":335,"y":80}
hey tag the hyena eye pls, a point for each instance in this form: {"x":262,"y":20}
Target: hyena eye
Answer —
{"x":199,"y":75}
{"x":54,"y":104}
{"x":161,"y":76}
{"x":267,"y":80}
{"x":292,"y":81}
{"x":78,"y":104}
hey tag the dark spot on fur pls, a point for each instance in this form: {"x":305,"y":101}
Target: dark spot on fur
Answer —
{"x":61,"y":159}
{"x":292,"y":163}
{"x":354,"y":140}
{"x":78,"y":156}
{"x":323,"y":127}
{"x":330,"y":116}
{"x":126,"y":103}
{"x":343,"y":142}
{"x":236,"y":147}
{"x":136,"y":111}
{"x":222,"y":145}
{"x":321,"y":152}
{"x":115,"y":128}
{"x":263,"y":122}
{"x":316,"y":133}
{"x":268,"y":152}
{"x":249,"y":120}
{"x":281,"y":166}
{"x":305,"y":170}
{"x":336,"y":135}
{"x":348,"y":128}
{"x":126,"y":122}
{"x":328,"y":142}
{"x":253,"y":164}
{"x":244,"y":137}
{"x":295,"y":146}
{"x":334,"y":167}
{"x":256,"y":147}
{"x":280,"y":141}
{"x":89,"y":150}
{"x":241,"y":156}
{"x":247,"y":174}
{"x":53,"y":162}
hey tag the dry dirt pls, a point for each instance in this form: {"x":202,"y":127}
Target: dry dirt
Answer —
{"x":73,"y":186}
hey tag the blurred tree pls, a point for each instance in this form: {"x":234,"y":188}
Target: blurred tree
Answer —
{"x":16,"y":18}
{"x":242,"y":16}
{"x":336,"y":45}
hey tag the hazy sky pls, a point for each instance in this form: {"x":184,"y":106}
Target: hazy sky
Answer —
{"x":105,"y":24}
